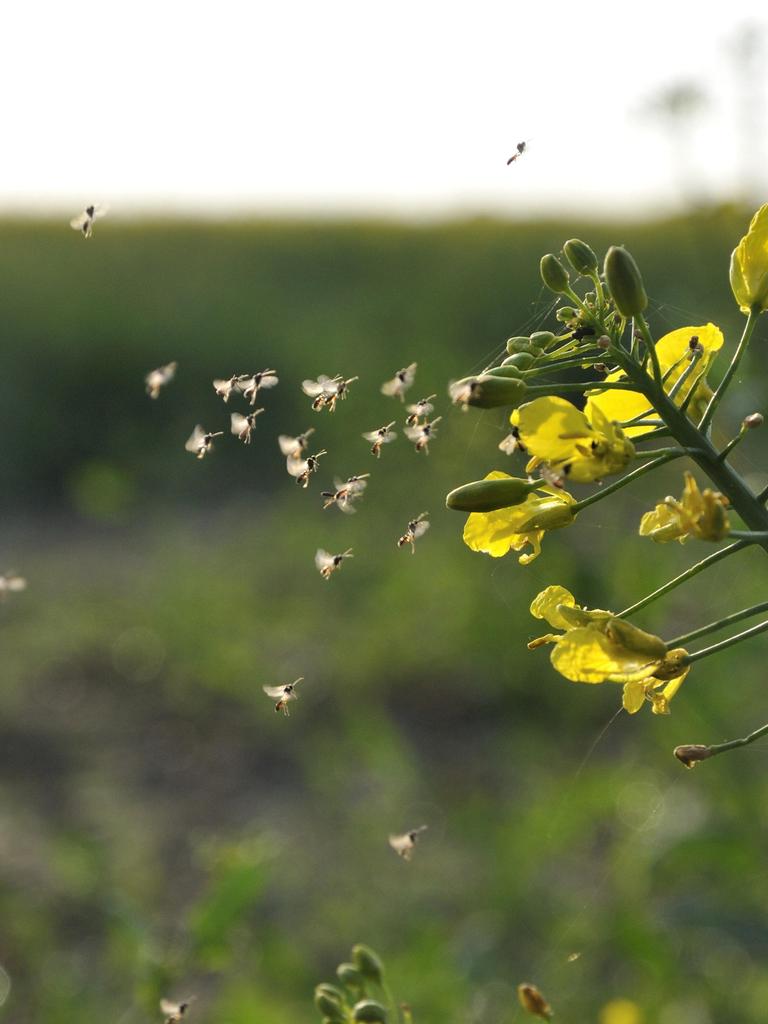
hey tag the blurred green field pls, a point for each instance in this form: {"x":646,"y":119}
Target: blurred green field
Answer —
{"x":162,"y":830}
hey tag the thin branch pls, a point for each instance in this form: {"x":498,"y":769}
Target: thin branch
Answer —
{"x":662,"y":456}
{"x":691,"y":753}
{"x":712,"y":627}
{"x":723,"y":644}
{"x":721,"y":388}
{"x":694,"y":570}
{"x":650,"y":348}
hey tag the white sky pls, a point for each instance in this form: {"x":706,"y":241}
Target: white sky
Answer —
{"x":333,"y":106}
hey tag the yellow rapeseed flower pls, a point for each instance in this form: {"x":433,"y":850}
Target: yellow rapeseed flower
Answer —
{"x":496,"y":533}
{"x":621,"y":1011}
{"x":597,"y":647}
{"x":673,"y":351}
{"x":749,"y":265}
{"x":582,"y":447}
{"x":698,"y":514}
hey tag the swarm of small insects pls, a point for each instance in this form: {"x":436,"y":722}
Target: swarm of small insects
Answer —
{"x":157,"y":379}
{"x":302,"y":469}
{"x":345,"y":492}
{"x":327,"y":564}
{"x":201,"y":441}
{"x":400,"y":383}
{"x":327,"y":391}
{"x":242,"y":426}
{"x":11,"y":583}
{"x":405,"y":843}
{"x":283,"y":694}
{"x":416,"y":528}
{"x":83,"y":222}
{"x":380,"y":437}
{"x":419,"y":410}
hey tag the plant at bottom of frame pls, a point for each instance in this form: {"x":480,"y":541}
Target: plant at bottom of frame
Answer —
{"x":360,"y":994}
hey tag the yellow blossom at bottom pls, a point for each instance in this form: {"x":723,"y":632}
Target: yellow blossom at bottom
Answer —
{"x":598,"y":647}
{"x":621,"y":1011}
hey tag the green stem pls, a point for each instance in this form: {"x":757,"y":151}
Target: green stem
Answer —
{"x":712,"y":627}
{"x":720,"y":748}
{"x":721,"y":388}
{"x":753,"y":536}
{"x":664,"y":455}
{"x":729,"y":642}
{"x":650,"y":348}
{"x":687,"y":372}
{"x":387,"y":993}
{"x":563,"y":364}
{"x":694,"y":570}
{"x":725,"y":452}
{"x":588,"y":385}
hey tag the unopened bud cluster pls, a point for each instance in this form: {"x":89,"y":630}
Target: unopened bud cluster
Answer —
{"x":354,"y":999}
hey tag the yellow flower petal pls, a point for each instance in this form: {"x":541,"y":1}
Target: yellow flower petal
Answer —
{"x":511,"y":529}
{"x":633,"y":696}
{"x":700,"y":514}
{"x":663,"y":525}
{"x":586,"y":655}
{"x":673,"y":348}
{"x":548,"y":428}
{"x":749,"y":265}
{"x":545,"y":606}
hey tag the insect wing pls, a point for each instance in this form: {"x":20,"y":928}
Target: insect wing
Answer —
{"x":14,"y":583}
{"x":269,"y":379}
{"x":509,"y":445}
{"x":402,"y":845}
{"x":290,"y":446}
{"x":296,"y":466}
{"x":357,"y":485}
{"x":276,"y":692}
{"x":79,"y":222}
{"x":195,"y":440}
{"x":420,"y":528}
{"x":392,"y":387}
{"x":323,"y":560}
{"x":414,"y":433}
{"x":372,"y":435}
{"x":240,"y":424}
{"x":313,"y":388}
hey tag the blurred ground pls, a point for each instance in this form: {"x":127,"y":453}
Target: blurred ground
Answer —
{"x":162,"y":830}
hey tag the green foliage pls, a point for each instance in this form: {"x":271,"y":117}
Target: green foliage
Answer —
{"x":164,"y":832}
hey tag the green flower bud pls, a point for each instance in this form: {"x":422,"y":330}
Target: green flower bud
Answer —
{"x":540,"y":339}
{"x":624,"y":282}
{"x":507,"y":369}
{"x":522,"y":360}
{"x":521,"y":345}
{"x":349,"y":975}
{"x":370,"y":1011}
{"x":368,"y":963}
{"x":488,"y":391}
{"x":567,"y":314}
{"x":553,"y":274}
{"x":635,"y":639}
{"x":488,"y":495}
{"x":581,"y":257}
{"x":330,"y":1002}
